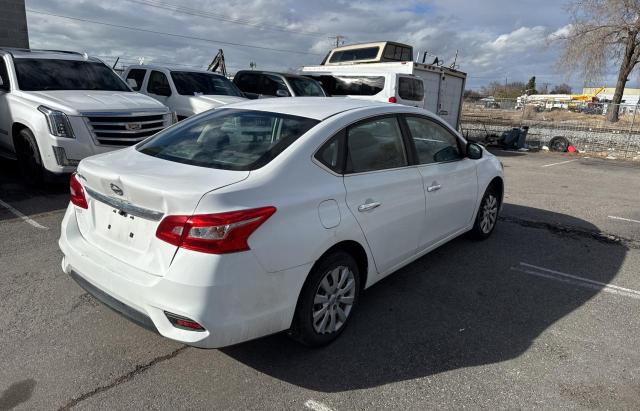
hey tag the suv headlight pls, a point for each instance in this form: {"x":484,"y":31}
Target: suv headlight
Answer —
{"x":58,"y":122}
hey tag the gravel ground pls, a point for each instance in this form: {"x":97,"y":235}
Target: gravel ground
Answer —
{"x":530,"y":318}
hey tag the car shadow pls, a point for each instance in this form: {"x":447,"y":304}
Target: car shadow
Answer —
{"x":464,"y":304}
{"x":499,"y":152}
{"x":26,"y":199}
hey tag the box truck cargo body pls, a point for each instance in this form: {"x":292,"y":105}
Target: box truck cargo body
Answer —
{"x":436,"y":88}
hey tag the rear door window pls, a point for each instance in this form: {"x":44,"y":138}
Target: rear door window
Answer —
{"x":375,"y":145}
{"x":434,"y":143}
{"x":270,"y":85}
{"x":138,"y":76}
{"x":410,"y":89}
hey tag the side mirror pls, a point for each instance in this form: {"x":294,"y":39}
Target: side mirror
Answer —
{"x":474,"y":151}
{"x":282,"y":93}
{"x":132,"y":83}
{"x":3,"y":86}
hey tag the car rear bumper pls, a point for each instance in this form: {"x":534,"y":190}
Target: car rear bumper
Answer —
{"x":231,"y":296}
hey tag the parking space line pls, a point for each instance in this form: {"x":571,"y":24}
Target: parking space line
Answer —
{"x":22,"y":216}
{"x":562,"y":162}
{"x":576,"y":280}
{"x":624,"y":219}
{"x":317,"y":406}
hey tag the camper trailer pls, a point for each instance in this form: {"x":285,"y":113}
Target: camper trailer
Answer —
{"x":370,"y":71}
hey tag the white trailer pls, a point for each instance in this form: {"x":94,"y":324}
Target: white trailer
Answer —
{"x":436,"y":88}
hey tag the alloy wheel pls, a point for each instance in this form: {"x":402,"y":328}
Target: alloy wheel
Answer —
{"x":333,"y":300}
{"x":489,"y":214}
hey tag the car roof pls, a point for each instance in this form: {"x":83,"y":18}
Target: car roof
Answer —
{"x":170,"y":68}
{"x":47,"y":54}
{"x":277,"y":73}
{"x":318,"y":108}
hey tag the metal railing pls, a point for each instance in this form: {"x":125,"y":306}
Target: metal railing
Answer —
{"x":583,"y":124}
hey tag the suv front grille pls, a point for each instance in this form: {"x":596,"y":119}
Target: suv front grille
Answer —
{"x":125,"y":130}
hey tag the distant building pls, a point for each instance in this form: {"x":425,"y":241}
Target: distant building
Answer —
{"x":13,"y":24}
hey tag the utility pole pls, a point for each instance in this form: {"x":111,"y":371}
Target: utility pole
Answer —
{"x":339,"y":39}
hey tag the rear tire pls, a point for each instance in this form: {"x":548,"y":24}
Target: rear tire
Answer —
{"x":558,"y":144}
{"x":29,"y":159}
{"x":327,"y":300}
{"x":487,"y":216}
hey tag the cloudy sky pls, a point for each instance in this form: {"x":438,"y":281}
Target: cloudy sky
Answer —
{"x":496,"y":39}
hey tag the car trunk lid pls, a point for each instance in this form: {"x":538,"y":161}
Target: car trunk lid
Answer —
{"x":129,"y":193}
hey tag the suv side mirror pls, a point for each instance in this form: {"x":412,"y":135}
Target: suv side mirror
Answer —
{"x":474,"y":151}
{"x":282,"y":93}
{"x":132,"y":83}
{"x":3,"y":86}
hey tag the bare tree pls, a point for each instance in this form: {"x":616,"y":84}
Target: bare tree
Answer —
{"x":500,"y":90}
{"x":603,"y":33}
{"x":563,"y":88}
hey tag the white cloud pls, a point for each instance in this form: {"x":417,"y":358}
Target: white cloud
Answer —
{"x":493,"y":38}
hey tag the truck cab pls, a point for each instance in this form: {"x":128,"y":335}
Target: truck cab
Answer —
{"x":185,"y":92}
{"x":58,"y":107}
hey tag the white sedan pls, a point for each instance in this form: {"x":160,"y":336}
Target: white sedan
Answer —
{"x":271,"y":215}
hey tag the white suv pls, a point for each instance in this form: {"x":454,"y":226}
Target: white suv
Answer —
{"x":58,"y":107}
{"x":185,"y":92}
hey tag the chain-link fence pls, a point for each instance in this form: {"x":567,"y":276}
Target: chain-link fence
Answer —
{"x":583,"y":124}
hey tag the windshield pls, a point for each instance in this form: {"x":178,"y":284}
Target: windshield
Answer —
{"x":190,"y":83}
{"x":304,"y":87}
{"x":50,"y":74}
{"x":228,"y":139}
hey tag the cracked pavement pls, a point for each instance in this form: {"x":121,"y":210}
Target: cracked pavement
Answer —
{"x":460,"y":327}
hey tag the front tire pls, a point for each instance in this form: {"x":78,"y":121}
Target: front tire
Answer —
{"x":487,"y":216}
{"x":327,"y":300}
{"x":29,"y":159}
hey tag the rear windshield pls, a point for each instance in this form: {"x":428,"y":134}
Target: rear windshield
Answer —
{"x":51,"y":74}
{"x":351,"y":85}
{"x":228,"y":139}
{"x":191,"y":83}
{"x":304,"y":87}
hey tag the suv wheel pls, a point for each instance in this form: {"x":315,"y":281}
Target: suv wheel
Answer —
{"x":29,"y":159}
{"x":327,"y":300}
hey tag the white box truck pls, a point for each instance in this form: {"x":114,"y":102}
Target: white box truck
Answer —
{"x":369,"y":71}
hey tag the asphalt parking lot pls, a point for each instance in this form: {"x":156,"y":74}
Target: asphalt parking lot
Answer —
{"x":544,"y":314}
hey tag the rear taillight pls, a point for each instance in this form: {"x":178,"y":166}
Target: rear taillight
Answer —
{"x":393,"y":99}
{"x":77,"y":192}
{"x":220,"y":233}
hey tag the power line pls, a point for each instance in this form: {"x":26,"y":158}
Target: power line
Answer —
{"x":220,"y":17}
{"x":171,"y":34}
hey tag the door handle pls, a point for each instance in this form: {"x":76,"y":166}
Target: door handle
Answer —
{"x":368,"y":206}
{"x":434,"y":187}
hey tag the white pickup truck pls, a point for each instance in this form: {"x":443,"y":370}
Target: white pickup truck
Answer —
{"x":185,"y":92}
{"x":58,"y":107}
